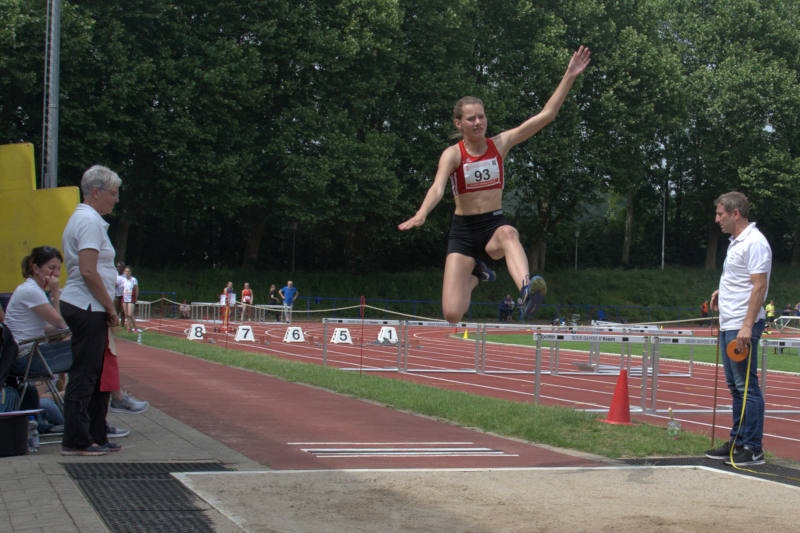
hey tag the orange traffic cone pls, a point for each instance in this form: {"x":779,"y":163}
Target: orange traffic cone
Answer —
{"x":620,"y":411}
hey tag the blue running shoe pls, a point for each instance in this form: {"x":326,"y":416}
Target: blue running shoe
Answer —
{"x":532,"y":295}
{"x":483,"y":272}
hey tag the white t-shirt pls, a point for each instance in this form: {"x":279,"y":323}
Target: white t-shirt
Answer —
{"x":120,"y":288}
{"x":21,"y":319}
{"x":86,"y":230}
{"x":127,"y":291}
{"x":748,"y":254}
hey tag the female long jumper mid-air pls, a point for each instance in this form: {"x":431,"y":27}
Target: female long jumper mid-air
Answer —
{"x":474,"y":168}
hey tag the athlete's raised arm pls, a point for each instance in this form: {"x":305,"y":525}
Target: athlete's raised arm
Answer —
{"x":509,"y":138}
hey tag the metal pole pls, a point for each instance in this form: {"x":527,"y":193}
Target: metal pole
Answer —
{"x":538,"y":369}
{"x":294,"y":238}
{"x":654,"y":362}
{"x":324,"y":343}
{"x":645,"y":365}
{"x":402,"y":348}
{"x":51,"y":98}
{"x":664,"y":225}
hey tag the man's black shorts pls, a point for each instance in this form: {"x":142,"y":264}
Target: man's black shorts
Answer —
{"x":469,"y":234}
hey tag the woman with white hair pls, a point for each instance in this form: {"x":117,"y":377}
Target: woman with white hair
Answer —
{"x":87,"y":305}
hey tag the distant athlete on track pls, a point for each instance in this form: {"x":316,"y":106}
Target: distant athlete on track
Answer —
{"x":474,"y":168}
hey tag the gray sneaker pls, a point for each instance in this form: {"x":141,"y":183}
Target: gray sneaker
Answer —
{"x":114,"y":432}
{"x":129,"y":404}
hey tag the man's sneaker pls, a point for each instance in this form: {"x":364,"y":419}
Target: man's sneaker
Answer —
{"x":532,"y":295}
{"x":723,"y":452}
{"x":129,"y":404}
{"x":113,"y":446}
{"x":483,"y":272}
{"x":745,"y":456}
{"x":113,"y":432}
{"x":94,"y":449}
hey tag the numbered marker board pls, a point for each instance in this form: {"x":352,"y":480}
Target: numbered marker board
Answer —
{"x":388,"y":334}
{"x":245,"y":333}
{"x":341,"y":336}
{"x":293,"y":334}
{"x":197,"y":332}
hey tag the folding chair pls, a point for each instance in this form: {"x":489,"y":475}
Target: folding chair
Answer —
{"x":8,"y":352}
{"x":47,"y":377}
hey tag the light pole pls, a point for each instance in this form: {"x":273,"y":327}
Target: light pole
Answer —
{"x":51,"y":91}
{"x":577,"y":234}
{"x":294,"y":235}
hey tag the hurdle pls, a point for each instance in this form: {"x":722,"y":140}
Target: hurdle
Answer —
{"x":363,"y":322}
{"x":774,"y":343}
{"x":261,"y":313}
{"x":143,"y":310}
{"x":403,"y":343}
{"x":651,"y":342}
{"x":205,"y":312}
{"x":783,"y":322}
{"x":479,"y":333}
{"x":626,"y":336}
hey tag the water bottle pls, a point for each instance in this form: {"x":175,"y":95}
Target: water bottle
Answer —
{"x":673,"y":426}
{"x":139,"y":338}
{"x":33,"y":434}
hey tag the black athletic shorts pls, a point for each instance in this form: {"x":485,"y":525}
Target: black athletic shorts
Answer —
{"x":469,"y":234}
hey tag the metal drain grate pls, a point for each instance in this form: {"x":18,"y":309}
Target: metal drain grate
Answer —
{"x":136,"y":497}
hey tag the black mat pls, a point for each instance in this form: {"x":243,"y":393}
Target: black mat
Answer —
{"x":136,"y":497}
{"x":769,"y":471}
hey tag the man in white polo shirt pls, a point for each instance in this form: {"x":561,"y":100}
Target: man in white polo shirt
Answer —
{"x":740,"y":301}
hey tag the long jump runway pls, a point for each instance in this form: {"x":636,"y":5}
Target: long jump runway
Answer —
{"x":292,"y":426}
{"x":437,"y":355}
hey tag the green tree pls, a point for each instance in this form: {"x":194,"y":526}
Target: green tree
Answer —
{"x":734,"y":58}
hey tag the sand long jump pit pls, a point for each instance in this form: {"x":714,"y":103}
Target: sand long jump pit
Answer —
{"x":633,"y":498}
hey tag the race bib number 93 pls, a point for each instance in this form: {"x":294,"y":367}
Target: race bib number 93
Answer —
{"x":481,"y":174}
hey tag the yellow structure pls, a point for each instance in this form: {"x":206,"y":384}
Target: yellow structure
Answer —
{"x":28,"y":217}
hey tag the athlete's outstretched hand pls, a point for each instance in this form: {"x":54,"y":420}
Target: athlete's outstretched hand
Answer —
{"x":412,"y":222}
{"x":580,"y":59}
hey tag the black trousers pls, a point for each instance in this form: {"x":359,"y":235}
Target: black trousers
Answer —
{"x":85,"y":407}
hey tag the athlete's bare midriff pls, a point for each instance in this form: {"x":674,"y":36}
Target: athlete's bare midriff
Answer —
{"x":475,"y":203}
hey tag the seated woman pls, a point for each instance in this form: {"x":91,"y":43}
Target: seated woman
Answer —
{"x":30,"y":314}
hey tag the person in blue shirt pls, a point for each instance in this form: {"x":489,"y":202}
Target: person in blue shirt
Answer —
{"x":289,"y":294}
{"x":506,"y":309}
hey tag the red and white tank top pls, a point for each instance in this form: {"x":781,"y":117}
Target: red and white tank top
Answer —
{"x":479,"y":173}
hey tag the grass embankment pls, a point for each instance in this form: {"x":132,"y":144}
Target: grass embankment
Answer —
{"x":555,"y":426}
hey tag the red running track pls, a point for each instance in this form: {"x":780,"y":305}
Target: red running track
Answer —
{"x":438,"y":358}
